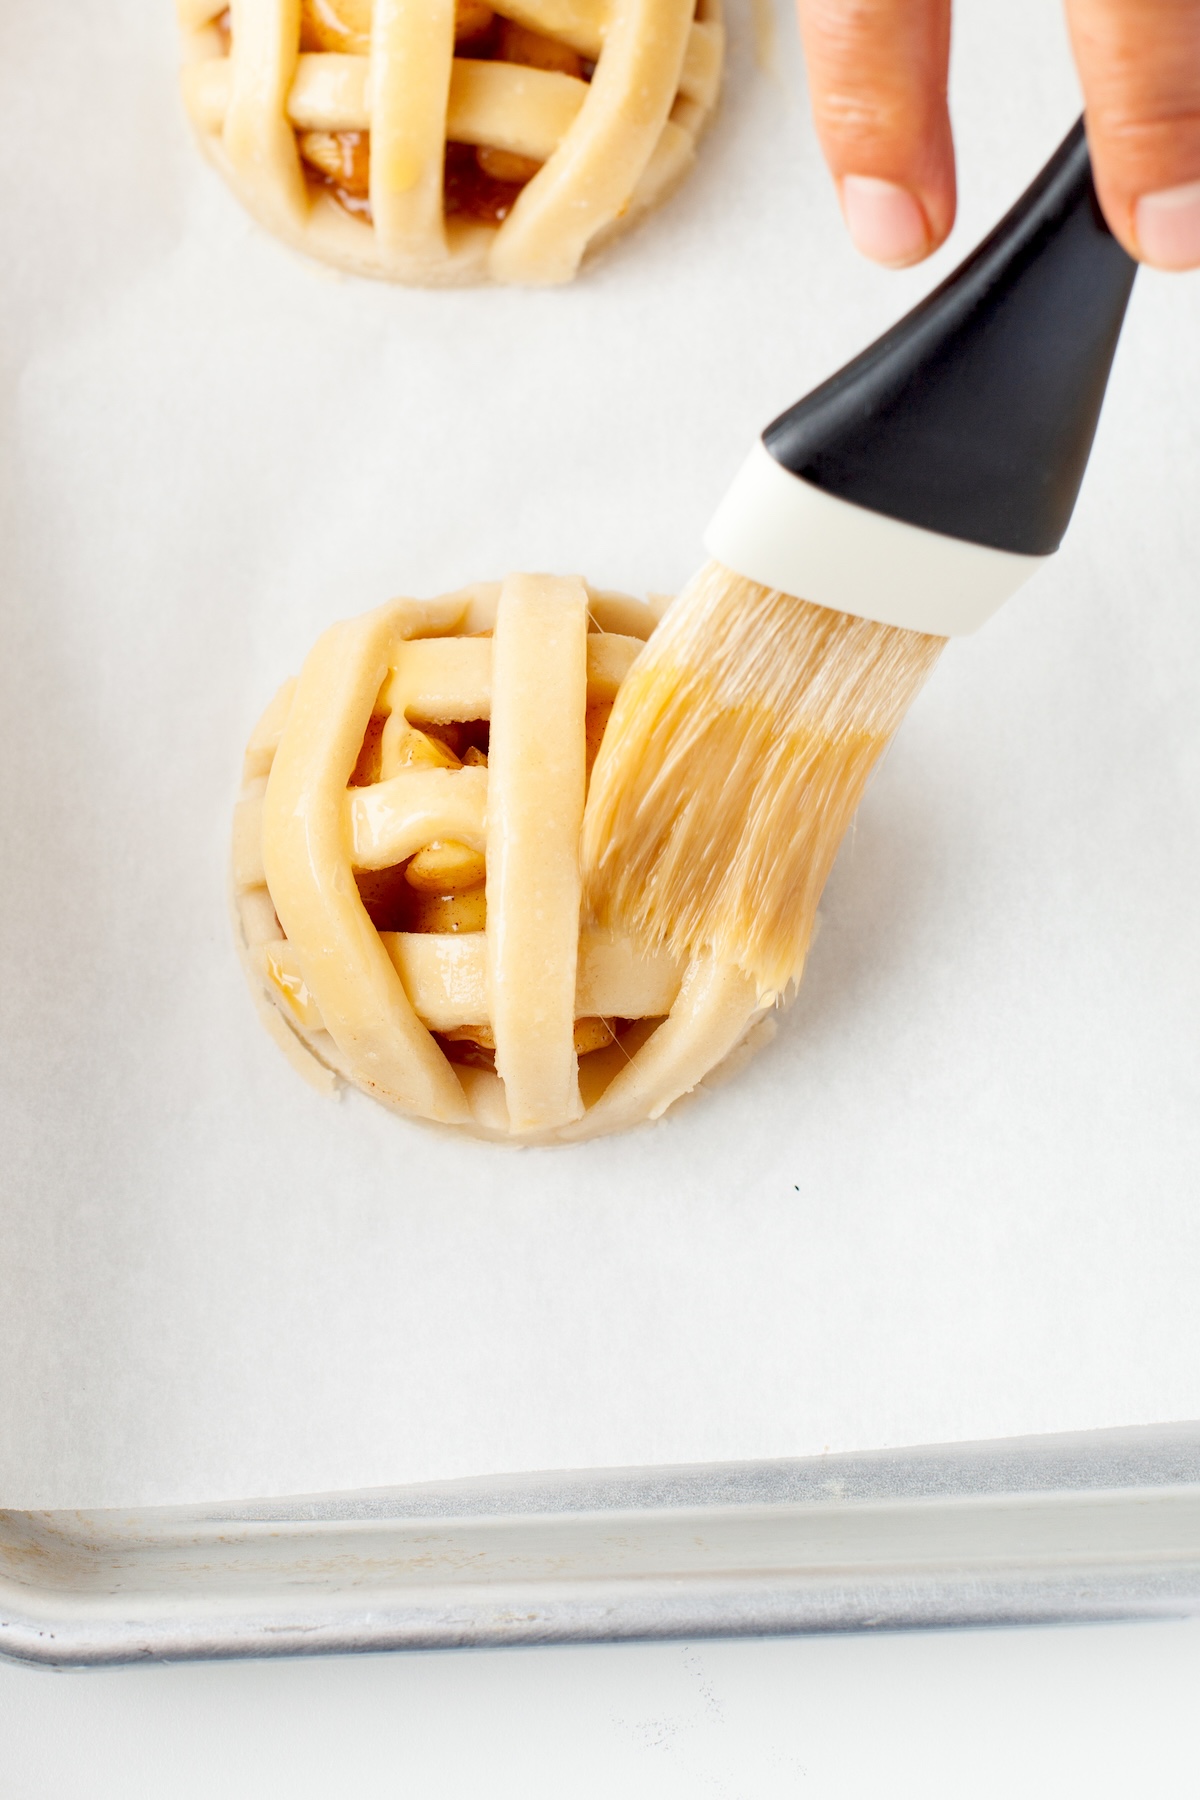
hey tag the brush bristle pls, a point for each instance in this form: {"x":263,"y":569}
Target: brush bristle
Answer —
{"x":736,"y":754}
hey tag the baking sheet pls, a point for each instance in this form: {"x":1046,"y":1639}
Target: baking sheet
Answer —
{"x":954,"y":1198}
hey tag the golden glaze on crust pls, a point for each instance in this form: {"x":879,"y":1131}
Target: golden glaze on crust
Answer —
{"x":407,"y":883}
{"x":422,"y":142}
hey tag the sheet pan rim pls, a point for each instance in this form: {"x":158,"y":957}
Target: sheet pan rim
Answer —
{"x":1059,"y":1528}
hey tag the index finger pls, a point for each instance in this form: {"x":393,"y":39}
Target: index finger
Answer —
{"x":877,"y":70}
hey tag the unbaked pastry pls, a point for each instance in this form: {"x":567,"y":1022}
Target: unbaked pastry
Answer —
{"x":406,"y":872}
{"x":429,"y":142}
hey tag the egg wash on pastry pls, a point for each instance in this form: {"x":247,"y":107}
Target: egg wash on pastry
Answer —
{"x":407,"y":874}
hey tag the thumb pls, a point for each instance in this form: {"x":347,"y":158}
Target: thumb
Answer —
{"x":1139,"y":61}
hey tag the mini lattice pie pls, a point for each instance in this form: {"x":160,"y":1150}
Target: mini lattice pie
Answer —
{"x":425,"y":141}
{"x":406,"y":870}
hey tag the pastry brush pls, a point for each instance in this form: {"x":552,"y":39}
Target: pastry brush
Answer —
{"x":897,"y":505}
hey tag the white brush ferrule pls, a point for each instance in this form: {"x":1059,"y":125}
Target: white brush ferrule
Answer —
{"x":783,"y":532}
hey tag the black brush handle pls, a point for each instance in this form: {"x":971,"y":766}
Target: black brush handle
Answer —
{"x":974,"y":416}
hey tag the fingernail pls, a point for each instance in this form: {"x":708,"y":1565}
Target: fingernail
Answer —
{"x":884,"y":220}
{"x":1167,"y":225}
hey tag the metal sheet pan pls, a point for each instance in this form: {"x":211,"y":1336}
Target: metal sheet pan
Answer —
{"x":1090,"y":1526}
{"x":194,"y":495}
{"x":952,"y":1198}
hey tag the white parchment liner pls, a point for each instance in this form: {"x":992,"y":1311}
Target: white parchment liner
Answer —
{"x":956,"y":1197}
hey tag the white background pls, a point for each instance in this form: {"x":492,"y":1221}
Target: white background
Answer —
{"x":1081,"y":1713}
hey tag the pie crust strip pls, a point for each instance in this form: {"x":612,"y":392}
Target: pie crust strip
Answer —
{"x":264,"y":739}
{"x":700,"y":77}
{"x":446,"y":977}
{"x":716,"y":1006}
{"x":580,"y":23}
{"x":536,"y":781}
{"x":306,"y":858}
{"x":511,"y":107}
{"x":504,"y":105}
{"x":391,"y":820}
{"x":258,"y":140}
{"x":591,"y":177}
{"x":440,"y":679}
{"x":412,"y":49}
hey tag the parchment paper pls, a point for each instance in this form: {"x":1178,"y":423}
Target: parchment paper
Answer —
{"x":956,"y":1197}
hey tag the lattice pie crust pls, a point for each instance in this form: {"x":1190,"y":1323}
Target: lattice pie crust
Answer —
{"x":429,"y":142}
{"x":406,"y":872}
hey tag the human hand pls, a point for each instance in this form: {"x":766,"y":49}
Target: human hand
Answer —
{"x":877,"y":70}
